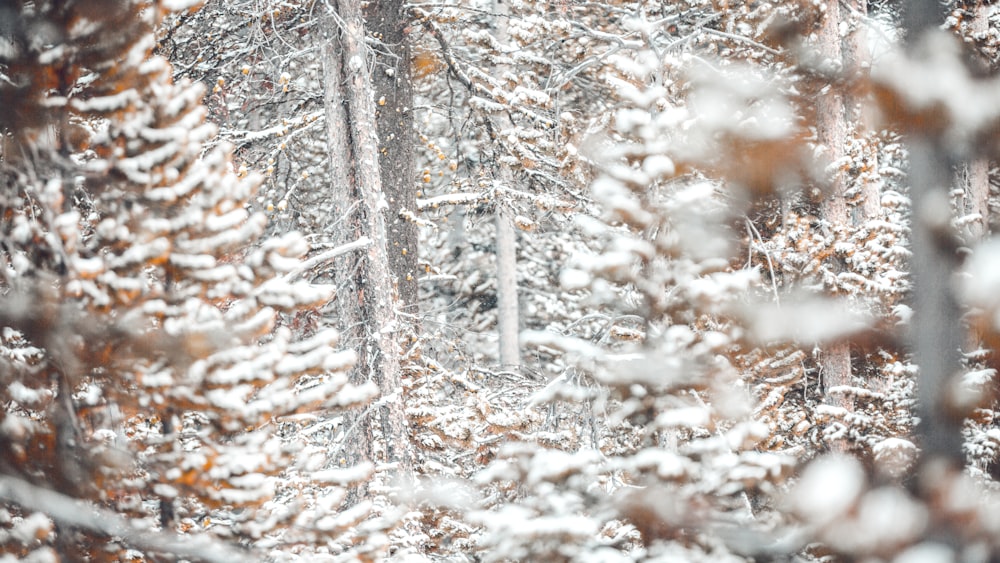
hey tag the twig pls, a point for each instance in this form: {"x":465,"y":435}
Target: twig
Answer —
{"x":741,"y":39}
{"x":770,"y":265}
{"x":328,"y":255}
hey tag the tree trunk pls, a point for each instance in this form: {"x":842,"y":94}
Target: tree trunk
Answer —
{"x":507,"y":306}
{"x":858,"y":59}
{"x":973,"y":179}
{"x":507,"y":302}
{"x":394,"y":113}
{"x":936,"y":326}
{"x":974,"y":175}
{"x":365,"y":289}
{"x":831,"y":133}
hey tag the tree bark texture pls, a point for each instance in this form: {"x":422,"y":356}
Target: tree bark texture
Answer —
{"x":973,"y":180}
{"x":365,"y":298}
{"x":393,"y":87}
{"x":831,"y":133}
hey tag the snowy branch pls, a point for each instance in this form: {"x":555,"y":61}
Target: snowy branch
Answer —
{"x":326,"y":256}
{"x":76,"y":513}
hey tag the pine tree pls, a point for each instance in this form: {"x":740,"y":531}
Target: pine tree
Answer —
{"x":148,"y":361}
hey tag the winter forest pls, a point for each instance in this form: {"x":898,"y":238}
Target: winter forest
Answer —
{"x":499,"y":280}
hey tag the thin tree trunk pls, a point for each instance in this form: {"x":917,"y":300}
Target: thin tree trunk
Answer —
{"x":507,"y":302}
{"x":858,"y":59}
{"x":831,"y":131}
{"x":974,"y":175}
{"x":365,"y":289}
{"x":394,"y":113}
{"x":973,"y":179}
{"x":507,"y":306}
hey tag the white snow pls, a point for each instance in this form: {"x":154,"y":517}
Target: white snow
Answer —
{"x":105,"y":104}
{"x":937,"y":77}
{"x":829,"y":486}
{"x":927,"y":552}
{"x":895,"y":456}
{"x":807,"y":321}
{"x":180,"y":5}
{"x":345,"y":476}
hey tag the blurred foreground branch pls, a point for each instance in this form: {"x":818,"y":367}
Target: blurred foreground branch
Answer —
{"x":76,"y":513}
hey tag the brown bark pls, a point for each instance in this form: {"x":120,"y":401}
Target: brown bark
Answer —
{"x":365,"y":296}
{"x":831,"y":133}
{"x":974,"y":175}
{"x":857,"y":57}
{"x":974,"y":181}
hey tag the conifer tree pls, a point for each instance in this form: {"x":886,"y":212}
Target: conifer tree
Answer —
{"x":147,"y":358}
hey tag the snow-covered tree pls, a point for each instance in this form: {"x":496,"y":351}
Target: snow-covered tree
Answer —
{"x":149,"y":357}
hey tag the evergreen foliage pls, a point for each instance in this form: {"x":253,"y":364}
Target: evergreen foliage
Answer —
{"x":147,"y":354}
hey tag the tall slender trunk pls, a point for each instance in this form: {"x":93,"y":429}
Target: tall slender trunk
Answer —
{"x":507,"y":306}
{"x":831,"y":132}
{"x":973,"y":179}
{"x":392,"y":82}
{"x":507,"y":302}
{"x":858,"y":59}
{"x":974,"y":182}
{"x":974,"y":174}
{"x":936,"y":326}
{"x":365,"y":298}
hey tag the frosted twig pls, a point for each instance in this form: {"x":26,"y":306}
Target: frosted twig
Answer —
{"x":741,"y":39}
{"x":770,"y":265}
{"x":461,"y":198}
{"x":328,"y":255}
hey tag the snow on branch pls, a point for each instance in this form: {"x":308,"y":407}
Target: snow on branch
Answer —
{"x":448,"y":199}
{"x":77,"y":513}
{"x":326,"y":256}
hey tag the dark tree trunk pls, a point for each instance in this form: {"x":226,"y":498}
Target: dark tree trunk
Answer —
{"x":387,"y":21}
{"x":366,"y":297}
{"x":936,"y":327}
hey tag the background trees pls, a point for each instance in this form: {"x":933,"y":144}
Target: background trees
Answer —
{"x":719,"y":256}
